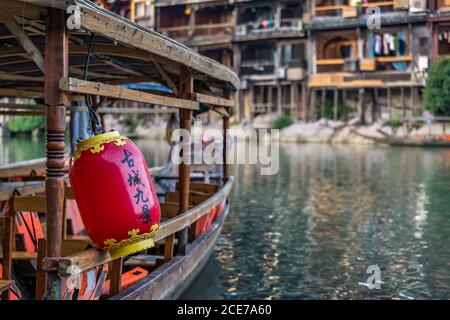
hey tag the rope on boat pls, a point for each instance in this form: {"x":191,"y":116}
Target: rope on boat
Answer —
{"x":93,"y":116}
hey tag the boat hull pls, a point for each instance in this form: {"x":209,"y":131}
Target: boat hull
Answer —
{"x":173,"y":278}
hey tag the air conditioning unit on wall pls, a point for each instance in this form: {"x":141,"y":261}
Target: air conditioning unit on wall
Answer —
{"x":416,"y":6}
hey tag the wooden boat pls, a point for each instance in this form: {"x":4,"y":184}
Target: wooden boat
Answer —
{"x":122,"y":52}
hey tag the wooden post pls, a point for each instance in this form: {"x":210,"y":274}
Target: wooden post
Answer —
{"x":186,"y":91}
{"x":361,"y":107}
{"x":279,"y":100}
{"x":323,"y":101}
{"x":293,"y":113}
{"x":402,"y":93}
{"x":312,"y":107}
{"x":304,"y":93}
{"x":226,"y":126}
{"x":116,"y":277}
{"x":8,"y":245}
{"x":335,"y":104}
{"x":41,"y":275}
{"x":389,"y":101}
{"x":344,"y":106}
{"x":56,"y":66}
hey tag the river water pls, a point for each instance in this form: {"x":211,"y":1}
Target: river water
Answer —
{"x":312,"y":231}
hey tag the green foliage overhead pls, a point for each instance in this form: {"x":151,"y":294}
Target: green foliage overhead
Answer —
{"x":437,"y":91}
{"x":25,"y":124}
{"x":282,"y":122}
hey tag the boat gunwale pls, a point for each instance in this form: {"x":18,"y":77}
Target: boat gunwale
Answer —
{"x":202,"y":246}
{"x":96,"y":257}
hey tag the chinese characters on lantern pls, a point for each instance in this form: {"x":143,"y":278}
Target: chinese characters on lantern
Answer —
{"x":134,"y":180}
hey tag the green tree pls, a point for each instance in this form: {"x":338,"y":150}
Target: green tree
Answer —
{"x":24,"y":124}
{"x":437,"y":91}
{"x":282,"y":122}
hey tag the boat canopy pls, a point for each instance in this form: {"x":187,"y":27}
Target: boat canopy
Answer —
{"x":123,"y":52}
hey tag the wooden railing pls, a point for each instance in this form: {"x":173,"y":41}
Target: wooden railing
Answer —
{"x":215,"y":29}
{"x":92,"y":258}
{"x":347,"y":10}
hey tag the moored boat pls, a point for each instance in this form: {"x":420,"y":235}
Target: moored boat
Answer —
{"x":59,"y":262}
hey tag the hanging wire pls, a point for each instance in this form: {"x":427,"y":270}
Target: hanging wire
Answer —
{"x":93,"y":116}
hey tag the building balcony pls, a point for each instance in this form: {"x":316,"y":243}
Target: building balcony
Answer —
{"x":355,"y":8}
{"x":200,"y":35}
{"x":387,"y":18}
{"x":362,"y":79}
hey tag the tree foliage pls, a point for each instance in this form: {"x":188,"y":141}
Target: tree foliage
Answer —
{"x":25,"y":124}
{"x":437,"y":91}
{"x":282,"y":122}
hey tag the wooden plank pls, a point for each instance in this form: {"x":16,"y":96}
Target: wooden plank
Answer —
{"x":36,"y":107}
{"x":17,"y":77}
{"x":30,"y":203}
{"x":28,"y":11}
{"x":185,"y":92}
{"x":21,"y":255}
{"x":166,"y":77}
{"x":23,"y":39}
{"x":24,"y":188}
{"x":5,"y":285}
{"x":59,"y":4}
{"x":94,"y":257}
{"x":41,"y":275}
{"x":226,"y":127}
{"x":7,"y":92}
{"x":214,"y":101}
{"x":202,"y":187}
{"x":168,"y":247}
{"x":116,"y":277}
{"x":117,"y":92}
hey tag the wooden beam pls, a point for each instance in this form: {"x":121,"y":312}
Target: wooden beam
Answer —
{"x":226,"y":127}
{"x":57,"y":62}
{"x":16,"y":77}
{"x":185,"y":92}
{"x":214,"y":101}
{"x":117,"y":92}
{"x":28,"y":45}
{"x":23,"y":10}
{"x":41,"y":275}
{"x":6,"y":92}
{"x":166,"y":77}
{"x":116,"y":277}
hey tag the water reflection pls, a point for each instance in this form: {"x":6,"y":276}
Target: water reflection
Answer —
{"x":312,"y":230}
{"x":21,"y":148}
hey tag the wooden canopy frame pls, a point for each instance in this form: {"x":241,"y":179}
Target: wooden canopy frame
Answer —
{"x":42,"y":59}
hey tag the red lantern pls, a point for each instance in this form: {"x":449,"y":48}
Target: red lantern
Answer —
{"x":115,"y":194}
